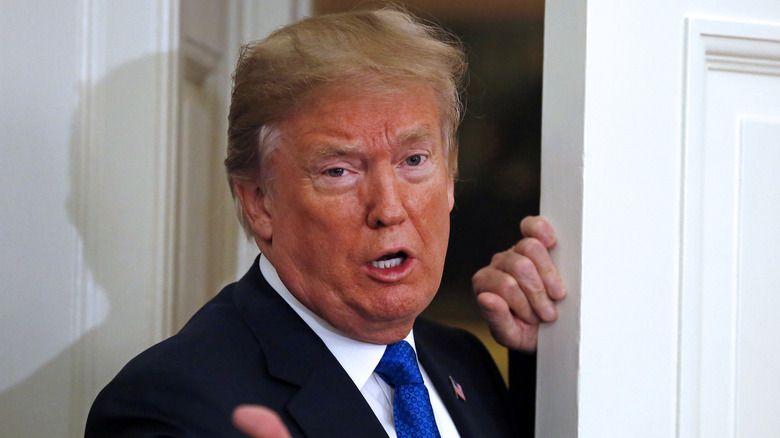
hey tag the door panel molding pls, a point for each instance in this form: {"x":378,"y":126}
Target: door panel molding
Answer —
{"x":732,"y":79}
{"x":123,"y":167}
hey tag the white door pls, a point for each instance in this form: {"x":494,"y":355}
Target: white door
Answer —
{"x":89,"y":172}
{"x":661,"y":144}
{"x":85,"y":147}
{"x":211,"y":249}
{"x":205,"y":241}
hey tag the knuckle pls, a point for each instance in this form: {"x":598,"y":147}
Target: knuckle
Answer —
{"x":529,"y":221}
{"x":479,"y":277}
{"x":523,"y":266}
{"x":506,"y":285}
{"x":537,"y":292}
{"x":529,"y":245}
{"x":499,"y":257}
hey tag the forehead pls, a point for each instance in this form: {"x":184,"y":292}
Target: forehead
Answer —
{"x":365,"y":115}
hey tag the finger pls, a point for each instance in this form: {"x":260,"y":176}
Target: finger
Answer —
{"x":498,"y":282}
{"x":524,"y":272}
{"x":538,"y":228}
{"x":259,"y":422}
{"x":505,"y":328}
{"x":538,"y":254}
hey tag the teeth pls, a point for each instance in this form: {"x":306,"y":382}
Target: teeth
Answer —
{"x":386,"y":264}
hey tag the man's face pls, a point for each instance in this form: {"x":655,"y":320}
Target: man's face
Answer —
{"x":358,"y":213}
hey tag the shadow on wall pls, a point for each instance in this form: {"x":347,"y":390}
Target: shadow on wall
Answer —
{"x":110,"y":204}
{"x":114,"y":204}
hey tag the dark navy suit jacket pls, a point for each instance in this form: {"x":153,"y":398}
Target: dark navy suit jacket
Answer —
{"x":247,"y":345}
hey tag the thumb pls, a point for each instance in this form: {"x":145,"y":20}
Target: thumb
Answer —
{"x":259,"y":422}
{"x":505,"y":328}
{"x":498,"y":317}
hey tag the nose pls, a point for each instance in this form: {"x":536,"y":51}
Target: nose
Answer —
{"x":385,"y":204}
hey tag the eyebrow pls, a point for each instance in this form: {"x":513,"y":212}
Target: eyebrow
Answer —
{"x":336,"y":150}
{"x":422,"y":133}
{"x":342,"y":150}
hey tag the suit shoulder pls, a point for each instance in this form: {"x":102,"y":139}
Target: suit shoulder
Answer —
{"x":216,"y":331}
{"x":448,"y":337}
{"x":170,"y":387}
{"x":459,"y":349}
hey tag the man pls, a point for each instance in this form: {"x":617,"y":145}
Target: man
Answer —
{"x":342,"y":157}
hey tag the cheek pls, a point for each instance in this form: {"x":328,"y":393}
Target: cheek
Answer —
{"x":433,"y":223}
{"x":321,"y":228}
{"x":319,"y":211}
{"x":434,"y":206}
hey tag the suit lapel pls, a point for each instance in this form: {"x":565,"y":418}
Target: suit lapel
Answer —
{"x":327,"y":402}
{"x":440,"y":374}
{"x":322,"y":408}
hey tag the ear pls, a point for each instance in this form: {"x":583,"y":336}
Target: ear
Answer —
{"x":257,"y":208}
{"x":451,"y":193}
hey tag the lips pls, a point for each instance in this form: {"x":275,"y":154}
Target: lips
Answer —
{"x":393,"y":265}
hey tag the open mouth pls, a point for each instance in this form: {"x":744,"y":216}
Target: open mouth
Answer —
{"x":388,"y":261}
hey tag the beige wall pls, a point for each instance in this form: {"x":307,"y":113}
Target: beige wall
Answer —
{"x":482,"y":10}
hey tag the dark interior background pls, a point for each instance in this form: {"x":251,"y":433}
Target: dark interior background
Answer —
{"x":499,"y":157}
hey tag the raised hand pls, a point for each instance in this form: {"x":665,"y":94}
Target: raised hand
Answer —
{"x":519,"y":288}
{"x":259,"y":422}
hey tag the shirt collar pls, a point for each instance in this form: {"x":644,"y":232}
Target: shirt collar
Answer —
{"x":359,"y":359}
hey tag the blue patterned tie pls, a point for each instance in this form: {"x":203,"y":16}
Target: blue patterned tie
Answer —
{"x":411,"y":406}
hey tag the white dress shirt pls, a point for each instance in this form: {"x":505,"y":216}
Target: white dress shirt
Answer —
{"x":359,"y":359}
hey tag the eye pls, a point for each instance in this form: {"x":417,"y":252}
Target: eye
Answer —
{"x":414,"y":160}
{"x":335,"y":172}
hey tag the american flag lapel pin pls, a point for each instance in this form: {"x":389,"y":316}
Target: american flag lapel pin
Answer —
{"x":458,"y":389}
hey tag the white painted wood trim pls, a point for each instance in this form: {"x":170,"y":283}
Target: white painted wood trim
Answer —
{"x":713,"y":45}
{"x":563,"y":137}
{"x":86,"y":303}
{"x":166,"y":172}
{"x":251,"y":20}
{"x":89,"y":302}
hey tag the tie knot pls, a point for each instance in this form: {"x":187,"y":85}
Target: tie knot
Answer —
{"x":399,"y":365}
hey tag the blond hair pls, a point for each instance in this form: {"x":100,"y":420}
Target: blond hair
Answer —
{"x":275,"y":75}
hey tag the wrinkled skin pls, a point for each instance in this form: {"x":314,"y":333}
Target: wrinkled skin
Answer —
{"x":516,"y":292}
{"x":360,"y":183}
{"x":519,"y":288}
{"x":362,"y":177}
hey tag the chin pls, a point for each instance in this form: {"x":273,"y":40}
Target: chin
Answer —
{"x":386,"y":315}
{"x":400,"y":307}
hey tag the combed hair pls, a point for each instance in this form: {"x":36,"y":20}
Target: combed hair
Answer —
{"x":275,"y":75}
